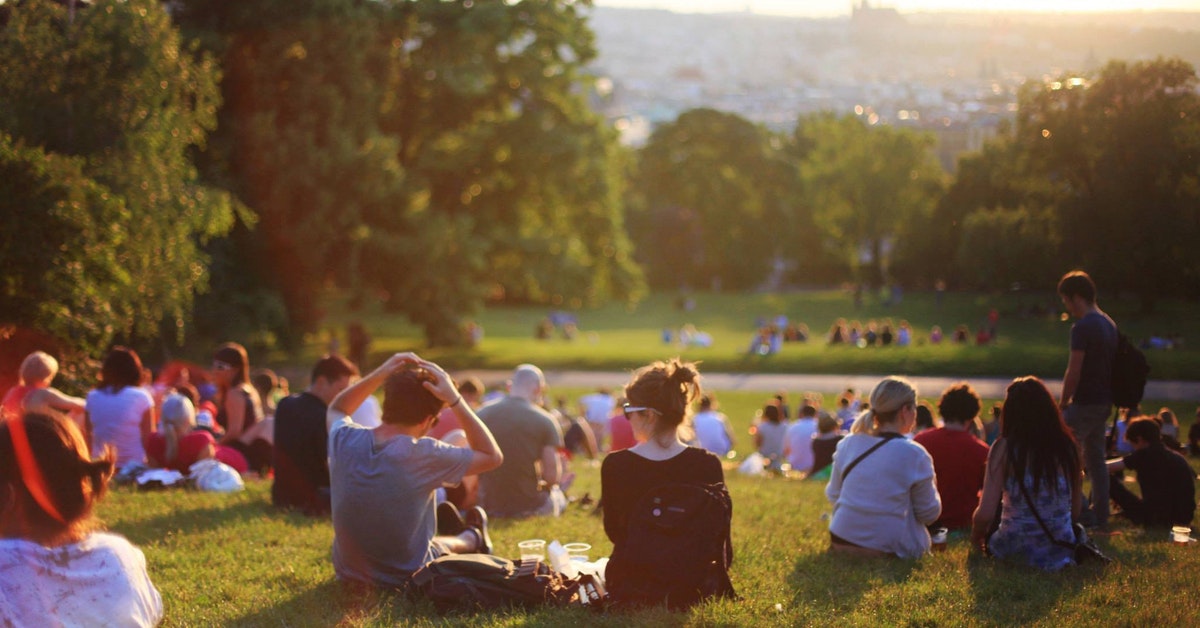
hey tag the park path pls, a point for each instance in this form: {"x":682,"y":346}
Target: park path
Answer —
{"x":929,"y":386}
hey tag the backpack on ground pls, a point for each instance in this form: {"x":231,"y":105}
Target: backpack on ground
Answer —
{"x":1129,"y":372}
{"x":482,"y":581}
{"x":677,"y":549}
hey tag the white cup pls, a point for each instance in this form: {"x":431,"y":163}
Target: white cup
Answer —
{"x":533,"y":549}
{"x":578,"y":551}
{"x":1181,"y":535}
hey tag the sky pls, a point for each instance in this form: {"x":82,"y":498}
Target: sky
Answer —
{"x":833,"y":8}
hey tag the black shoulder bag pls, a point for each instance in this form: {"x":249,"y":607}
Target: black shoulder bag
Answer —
{"x":854,"y":463}
{"x":1085,"y":551}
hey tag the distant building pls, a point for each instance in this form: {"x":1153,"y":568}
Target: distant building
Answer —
{"x":866,"y":17}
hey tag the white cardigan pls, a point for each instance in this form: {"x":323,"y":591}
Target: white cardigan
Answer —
{"x":890,"y":496}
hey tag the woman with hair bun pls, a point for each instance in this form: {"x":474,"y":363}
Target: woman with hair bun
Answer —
{"x":882,"y":485}
{"x":658,"y":408}
{"x":59,"y":569}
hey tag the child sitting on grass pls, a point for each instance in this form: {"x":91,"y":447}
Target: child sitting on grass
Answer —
{"x":1165,"y":478}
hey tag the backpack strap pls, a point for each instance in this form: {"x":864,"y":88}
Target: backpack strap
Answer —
{"x":854,"y":463}
{"x":1045,"y":528}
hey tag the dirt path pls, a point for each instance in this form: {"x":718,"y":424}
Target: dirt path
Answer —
{"x":987,"y":387}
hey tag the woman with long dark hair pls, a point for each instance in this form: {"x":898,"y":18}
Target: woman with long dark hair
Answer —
{"x":1033,"y":472}
{"x":239,"y":408}
{"x":119,"y":411}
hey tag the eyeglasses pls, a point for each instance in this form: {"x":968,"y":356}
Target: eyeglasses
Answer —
{"x":221,"y":366}
{"x":628,"y":410}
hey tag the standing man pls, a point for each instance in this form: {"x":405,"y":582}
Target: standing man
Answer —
{"x":301,"y":459}
{"x":384,"y":479}
{"x":530,"y":439}
{"x":1086,"y":391}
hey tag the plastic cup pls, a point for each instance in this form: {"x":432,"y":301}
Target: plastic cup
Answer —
{"x":1181,"y":535}
{"x":534,"y":549}
{"x":939,"y":539}
{"x":578,"y":551}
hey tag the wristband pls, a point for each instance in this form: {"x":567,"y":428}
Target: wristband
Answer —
{"x":456,"y":402}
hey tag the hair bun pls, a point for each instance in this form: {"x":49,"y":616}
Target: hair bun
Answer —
{"x":682,"y":372}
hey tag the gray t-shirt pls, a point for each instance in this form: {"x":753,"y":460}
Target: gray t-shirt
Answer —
{"x":383,"y":500}
{"x":522,"y":430}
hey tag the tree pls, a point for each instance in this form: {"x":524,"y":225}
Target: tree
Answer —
{"x":714,"y":207}
{"x":114,"y":87}
{"x":427,"y":154}
{"x":870,"y":187}
{"x":1120,"y":154}
{"x":62,"y":272}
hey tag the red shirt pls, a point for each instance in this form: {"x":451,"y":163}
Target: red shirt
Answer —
{"x":446,"y":423}
{"x":621,"y":432}
{"x":959,"y":462}
{"x":190,"y":448}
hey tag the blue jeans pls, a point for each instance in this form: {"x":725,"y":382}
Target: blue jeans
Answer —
{"x":1088,"y":424}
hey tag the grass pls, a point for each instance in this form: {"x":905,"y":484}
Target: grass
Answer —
{"x":616,"y":337}
{"x":233,"y":560}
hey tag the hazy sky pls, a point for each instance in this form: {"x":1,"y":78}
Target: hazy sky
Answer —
{"x":829,"y":8}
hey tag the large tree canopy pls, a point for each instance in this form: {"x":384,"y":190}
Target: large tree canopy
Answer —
{"x":713,"y":202}
{"x":871,"y":187}
{"x":1122,"y":154}
{"x":111,"y":232}
{"x":429,"y":154}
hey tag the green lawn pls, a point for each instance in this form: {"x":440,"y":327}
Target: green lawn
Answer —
{"x":614,"y":337}
{"x":233,"y":560}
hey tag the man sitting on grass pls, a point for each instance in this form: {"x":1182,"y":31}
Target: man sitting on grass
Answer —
{"x":383,"y":480}
{"x":1165,"y":477}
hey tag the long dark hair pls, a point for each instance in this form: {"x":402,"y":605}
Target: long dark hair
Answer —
{"x":234,"y":355}
{"x":1037,"y":437}
{"x":122,"y":368}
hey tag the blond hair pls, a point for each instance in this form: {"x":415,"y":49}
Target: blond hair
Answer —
{"x":38,"y":367}
{"x":887,"y":399}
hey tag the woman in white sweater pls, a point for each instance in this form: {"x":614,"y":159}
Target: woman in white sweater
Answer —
{"x":882,"y":485}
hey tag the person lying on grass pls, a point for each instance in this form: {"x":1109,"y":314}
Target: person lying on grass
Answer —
{"x":383,"y":480}
{"x":56,"y":567}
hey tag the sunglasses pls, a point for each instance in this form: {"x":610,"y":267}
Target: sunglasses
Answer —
{"x":628,"y":410}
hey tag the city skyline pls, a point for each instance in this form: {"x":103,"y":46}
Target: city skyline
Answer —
{"x":839,"y":8}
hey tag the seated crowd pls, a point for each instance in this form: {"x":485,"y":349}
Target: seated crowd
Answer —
{"x":435,"y":461}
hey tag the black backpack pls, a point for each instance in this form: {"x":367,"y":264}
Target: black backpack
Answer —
{"x":677,"y":550}
{"x":1129,"y":372}
{"x":482,"y":581}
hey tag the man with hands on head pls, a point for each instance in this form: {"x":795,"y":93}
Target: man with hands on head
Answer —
{"x":383,"y":479}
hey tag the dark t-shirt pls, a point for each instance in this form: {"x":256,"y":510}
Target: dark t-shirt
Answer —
{"x":1168,"y":485}
{"x":301,"y":454}
{"x":626,"y":476}
{"x":823,"y":449}
{"x":1096,"y":335}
